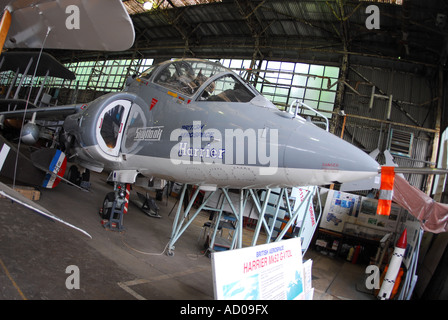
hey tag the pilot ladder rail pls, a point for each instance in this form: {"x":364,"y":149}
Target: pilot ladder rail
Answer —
{"x":183,"y":220}
{"x":297,"y":102}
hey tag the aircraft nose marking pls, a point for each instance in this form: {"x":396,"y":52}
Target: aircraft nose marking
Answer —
{"x":153,"y":103}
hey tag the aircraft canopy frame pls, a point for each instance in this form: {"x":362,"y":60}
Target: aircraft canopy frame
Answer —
{"x":201,"y":80}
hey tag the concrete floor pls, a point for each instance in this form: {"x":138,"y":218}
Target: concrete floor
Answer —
{"x":128,"y":265}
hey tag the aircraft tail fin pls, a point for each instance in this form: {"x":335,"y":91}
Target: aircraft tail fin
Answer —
{"x":53,"y":162}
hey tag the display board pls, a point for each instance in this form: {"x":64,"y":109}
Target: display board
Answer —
{"x":339,"y":208}
{"x":271,"y":271}
{"x":367,"y":216}
{"x":356,"y":215}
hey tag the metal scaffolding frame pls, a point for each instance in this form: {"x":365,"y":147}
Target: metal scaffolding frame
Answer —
{"x":183,"y":220}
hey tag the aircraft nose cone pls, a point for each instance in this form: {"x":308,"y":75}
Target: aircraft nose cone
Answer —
{"x":325,"y":157}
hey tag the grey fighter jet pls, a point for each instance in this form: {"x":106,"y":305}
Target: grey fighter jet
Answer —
{"x":194,"y":121}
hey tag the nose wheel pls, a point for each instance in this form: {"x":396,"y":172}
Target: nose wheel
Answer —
{"x":106,"y":209}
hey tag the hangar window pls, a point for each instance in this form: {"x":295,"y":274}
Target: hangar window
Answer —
{"x":283,"y":82}
{"x":227,"y":88}
{"x":102,"y":75}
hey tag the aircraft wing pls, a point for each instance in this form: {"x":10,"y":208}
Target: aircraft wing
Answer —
{"x":25,"y":63}
{"x":101,"y":25}
{"x":19,"y":62}
{"x":22,"y":200}
{"x":53,"y":113}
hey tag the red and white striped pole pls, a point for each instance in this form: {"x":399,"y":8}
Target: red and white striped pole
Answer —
{"x":128,"y":193}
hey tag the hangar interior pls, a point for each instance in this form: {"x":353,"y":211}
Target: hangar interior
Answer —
{"x":381,"y":84}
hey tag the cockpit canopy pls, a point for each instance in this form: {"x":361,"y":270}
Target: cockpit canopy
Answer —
{"x":211,"y":80}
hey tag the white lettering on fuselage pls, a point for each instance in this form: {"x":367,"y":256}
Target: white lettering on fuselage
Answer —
{"x":207,"y":152}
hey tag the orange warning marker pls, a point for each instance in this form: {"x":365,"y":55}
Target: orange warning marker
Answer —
{"x":386,"y":190}
{"x":4,"y":27}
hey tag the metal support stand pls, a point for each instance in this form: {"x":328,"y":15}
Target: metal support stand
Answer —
{"x":181,"y":223}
